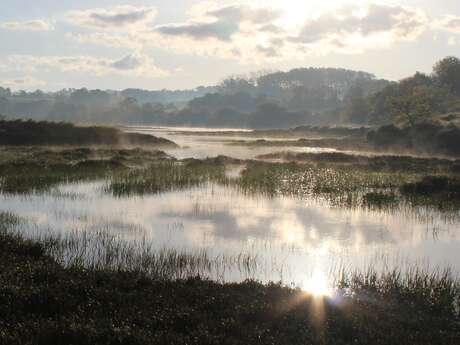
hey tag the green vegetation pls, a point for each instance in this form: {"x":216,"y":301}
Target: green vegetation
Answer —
{"x":435,"y":136}
{"x":410,"y":100}
{"x":52,"y":133}
{"x":355,"y":144}
{"x":440,"y":190}
{"x":103,"y":251}
{"x":432,"y":137}
{"x":356,"y":181}
{"x":38,"y":170}
{"x":166,"y":176}
{"x":342,"y":185}
{"x":341,"y":179}
{"x":42,"y":302}
{"x":374,"y":163}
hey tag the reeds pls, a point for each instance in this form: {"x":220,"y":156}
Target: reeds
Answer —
{"x":164,"y":177}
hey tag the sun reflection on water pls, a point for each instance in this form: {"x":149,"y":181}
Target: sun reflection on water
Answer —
{"x":317,"y":284}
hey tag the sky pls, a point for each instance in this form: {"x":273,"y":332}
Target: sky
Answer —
{"x":173,"y":44}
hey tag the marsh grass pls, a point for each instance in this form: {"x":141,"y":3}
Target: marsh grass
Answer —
{"x":38,"y":170}
{"x":30,"y":179}
{"x":104,"y":251}
{"x":347,"y":185}
{"x":343,"y":180}
{"x":341,"y":186}
{"x":165,"y":177}
{"x":430,"y":290}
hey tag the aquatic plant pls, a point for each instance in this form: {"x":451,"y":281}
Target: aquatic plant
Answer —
{"x":164,"y":177}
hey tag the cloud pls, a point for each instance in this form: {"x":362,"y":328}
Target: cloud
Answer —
{"x":135,"y":64}
{"x":118,"y":17}
{"x":448,"y":23}
{"x":29,"y":25}
{"x":221,"y":30}
{"x":24,"y":83}
{"x":221,"y":23}
{"x":355,"y":28}
{"x":255,"y":34}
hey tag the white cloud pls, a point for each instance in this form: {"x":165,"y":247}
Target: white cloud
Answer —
{"x":118,"y":17}
{"x":135,"y":64}
{"x":23,"y":83}
{"x":448,"y":23}
{"x":252,"y":33}
{"x":29,"y":25}
{"x":221,"y":23}
{"x":258,"y":33}
{"x":354,"y":28}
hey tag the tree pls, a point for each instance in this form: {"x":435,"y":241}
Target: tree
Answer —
{"x":357,"y":111}
{"x":447,"y":73}
{"x":418,"y":103}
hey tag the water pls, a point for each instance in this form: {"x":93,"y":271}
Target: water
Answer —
{"x":289,"y":238}
{"x":202,"y":143}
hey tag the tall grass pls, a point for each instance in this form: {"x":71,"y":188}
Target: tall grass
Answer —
{"x":31,"y":179}
{"x":165,"y":176}
{"x":436,"y":290}
{"x":104,"y":251}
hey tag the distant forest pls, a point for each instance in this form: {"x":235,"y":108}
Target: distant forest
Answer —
{"x":305,"y":96}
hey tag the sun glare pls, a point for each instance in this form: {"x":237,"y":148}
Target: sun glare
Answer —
{"x":317,"y":284}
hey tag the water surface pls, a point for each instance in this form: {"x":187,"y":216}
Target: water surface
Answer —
{"x":289,"y":237}
{"x":202,"y":143}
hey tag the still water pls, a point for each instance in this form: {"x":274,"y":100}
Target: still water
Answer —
{"x":289,"y":238}
{"x":202,"y":143}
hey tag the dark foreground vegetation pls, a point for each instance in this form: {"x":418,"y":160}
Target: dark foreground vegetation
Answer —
{"x":42,"y":303}
{"x":52,"y":133}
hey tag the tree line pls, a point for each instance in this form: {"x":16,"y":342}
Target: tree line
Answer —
{"x":301,"y":96}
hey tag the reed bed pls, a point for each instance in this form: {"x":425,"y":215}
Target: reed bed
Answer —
{"x":165,"y":177}
{"x":101,"y":251}
{"x":104,"y":251}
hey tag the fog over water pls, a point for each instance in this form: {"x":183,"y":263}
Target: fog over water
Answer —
{"x":202,"y":143}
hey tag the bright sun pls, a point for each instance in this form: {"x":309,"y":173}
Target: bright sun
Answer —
{"x":317,"y":284}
